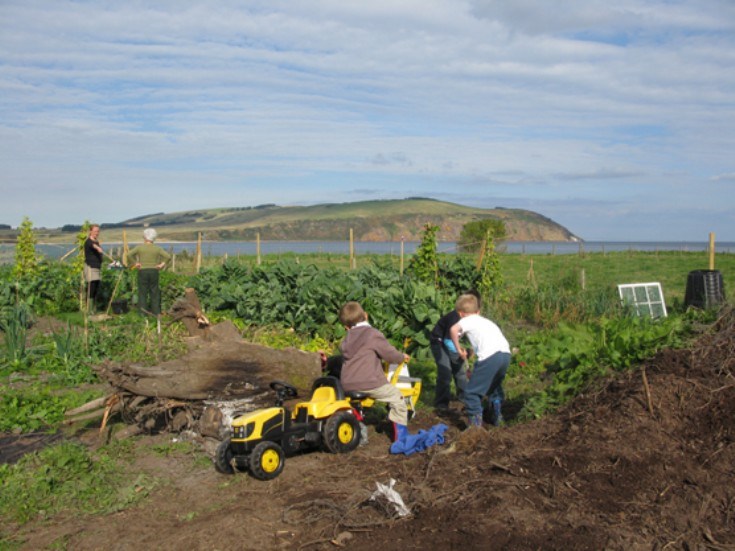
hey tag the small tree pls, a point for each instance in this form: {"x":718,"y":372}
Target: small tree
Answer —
{"x":423,"y":265}
{"x":81,"y":238}
{"x":489,"y":267}
{"x":78,"y":263}
{"x":473,"y":234}
{"x":26,"y":261}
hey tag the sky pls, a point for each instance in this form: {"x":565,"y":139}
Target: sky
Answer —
{"x":614,"y":119}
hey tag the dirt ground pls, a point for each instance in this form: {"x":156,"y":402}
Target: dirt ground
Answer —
{"x":645,"y":461}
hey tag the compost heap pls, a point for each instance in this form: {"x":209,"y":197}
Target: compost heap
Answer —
{"x":645,"y":462}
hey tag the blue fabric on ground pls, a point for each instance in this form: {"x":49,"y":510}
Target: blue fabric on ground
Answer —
{"x":420,"y":441}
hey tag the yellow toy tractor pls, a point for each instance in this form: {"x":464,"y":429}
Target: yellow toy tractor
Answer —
{"x":261,"y":440}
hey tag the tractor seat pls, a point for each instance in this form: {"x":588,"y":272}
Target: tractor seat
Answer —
{"x":357,"y":395}
{"x":331,"y":382}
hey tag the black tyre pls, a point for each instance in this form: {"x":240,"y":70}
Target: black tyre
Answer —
{"x":266,"y":461}
{"x":223,"y":458}
{"x":341,"y":432}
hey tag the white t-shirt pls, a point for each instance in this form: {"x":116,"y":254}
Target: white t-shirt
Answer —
{"x":485,"y":336}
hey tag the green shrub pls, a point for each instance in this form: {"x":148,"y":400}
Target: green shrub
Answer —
{"x":37,"y":407}
{"x":573,"y":355}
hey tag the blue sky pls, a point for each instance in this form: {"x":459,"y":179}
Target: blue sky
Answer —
{"x":615,"y":119}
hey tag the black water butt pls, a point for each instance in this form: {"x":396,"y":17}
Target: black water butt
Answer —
{"x":705,"y":289}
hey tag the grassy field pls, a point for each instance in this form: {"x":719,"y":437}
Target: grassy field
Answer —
{"x":598,"y":270}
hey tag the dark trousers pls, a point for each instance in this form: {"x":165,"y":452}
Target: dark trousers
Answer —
{"x":486,"y":380}
{"x":92,"y":288}
{"x":449,"y":365}
{"x":149,"y":293}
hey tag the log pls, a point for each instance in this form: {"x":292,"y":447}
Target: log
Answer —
{"x":97,"y":403}
{"x":86,"y":417}
{"x":216,"y":370}
{"x":188,"y":310}
{"x":220,"y":368}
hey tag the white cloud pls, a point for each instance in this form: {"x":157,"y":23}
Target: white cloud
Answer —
{"x":543,"y":104}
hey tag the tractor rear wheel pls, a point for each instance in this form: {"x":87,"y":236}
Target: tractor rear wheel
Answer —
{"x":223,"y":458}
{"x":266,"y":461}
{"x":341,"y":432}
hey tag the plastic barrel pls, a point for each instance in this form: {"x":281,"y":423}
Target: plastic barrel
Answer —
{"x":705,"y":289}
{"x":119,"y":306}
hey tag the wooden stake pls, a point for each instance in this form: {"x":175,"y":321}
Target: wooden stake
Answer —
{"x":114,"y":291}
{"x":401,"y":268}
{"x":531,"y":275}
{"x":112,"y":402}
{"x":67,"y":254}
{"x":482,"y":254}
{"x":352,"y":250}
{"x":647,"y":389}
{"x":199,"y":252}
{"x":257,"y":248}
{"x":711,"y":251}
{"x":125,"y":249}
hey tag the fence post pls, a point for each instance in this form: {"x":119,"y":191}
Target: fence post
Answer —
{"x":125,"y":249}
{"x":401,"y":269}
{"x":531,"y":275}
{"x":352,"y":250}
{"x":198,"y":261}
{"x":257,"y":248}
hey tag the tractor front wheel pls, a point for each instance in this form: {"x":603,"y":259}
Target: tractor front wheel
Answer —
{"x":266,"y":461}
{"x":341,"y":432}
{"x":223,"y":458}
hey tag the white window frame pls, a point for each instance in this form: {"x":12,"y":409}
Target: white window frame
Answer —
{"x":643,"y":306}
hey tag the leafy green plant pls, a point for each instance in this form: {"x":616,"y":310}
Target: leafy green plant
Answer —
{"x":65,"y":359}
{"x":36,"y":407}
{"x":25,"y":251}
{"x":491,"y":277}
{"x":423,"y":265}
{"x":14,"y":322}
{"x":51,"y":289}
{"x":80,"y":240}
{"x":66,"y":477}
{"x":576,"y":354}
{"x":457,"y":274}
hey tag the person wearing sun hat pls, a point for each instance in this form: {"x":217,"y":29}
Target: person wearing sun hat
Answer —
{"x":149,"y":259}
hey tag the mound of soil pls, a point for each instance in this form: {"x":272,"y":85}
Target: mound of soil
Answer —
{"x":645,"y":461}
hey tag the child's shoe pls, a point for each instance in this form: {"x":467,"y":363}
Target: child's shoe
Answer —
{"x":474,"y":420}
{"x":399,"y":432}
{"x":497,"y":414}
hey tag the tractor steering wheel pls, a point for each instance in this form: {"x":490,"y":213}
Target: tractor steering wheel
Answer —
{"x":284,"y":389}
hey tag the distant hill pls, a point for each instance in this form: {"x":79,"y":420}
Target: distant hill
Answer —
{"x":388,"y":220}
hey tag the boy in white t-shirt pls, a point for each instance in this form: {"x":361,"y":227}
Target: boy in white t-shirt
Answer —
{"x":493,"y":358}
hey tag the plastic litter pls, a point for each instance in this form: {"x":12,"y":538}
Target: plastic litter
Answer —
{"x":387,"y":493}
